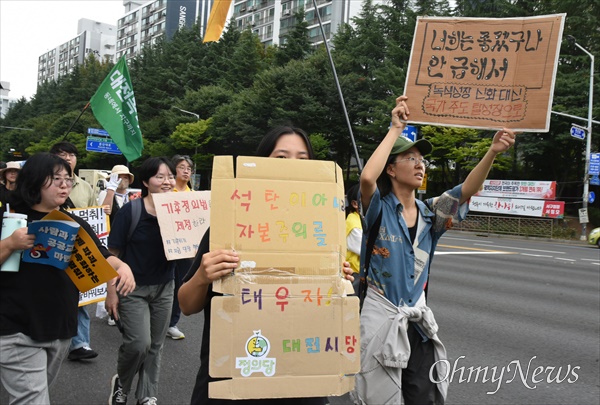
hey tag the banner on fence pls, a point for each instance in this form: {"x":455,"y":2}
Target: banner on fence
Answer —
{"x":517,"y":206}
{"x":542,"y":190}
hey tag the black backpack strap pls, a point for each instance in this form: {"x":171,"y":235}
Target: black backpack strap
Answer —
{"x":136,"y":214}
{"x":373,"y":232}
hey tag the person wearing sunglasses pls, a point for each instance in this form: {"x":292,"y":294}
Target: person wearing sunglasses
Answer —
{"x":396,"y":324}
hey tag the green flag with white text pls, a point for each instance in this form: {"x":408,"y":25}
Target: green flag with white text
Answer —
{"x":114,"y":108}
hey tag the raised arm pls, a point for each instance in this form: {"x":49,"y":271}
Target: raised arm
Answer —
{"x":503,"y":140}
{"x":376,"y":163}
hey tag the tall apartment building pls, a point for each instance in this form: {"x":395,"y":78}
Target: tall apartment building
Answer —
{"x":272,"y":20}
{"x":93,"y":37}
{"x":144,"y":25}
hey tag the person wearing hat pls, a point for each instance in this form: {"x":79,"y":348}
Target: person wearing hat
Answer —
{"x":115,"y":195}
{"x":401,"y":354}
{"x":8,"y":175}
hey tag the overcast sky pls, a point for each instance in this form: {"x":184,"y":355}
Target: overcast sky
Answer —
{"x":28,"y":28}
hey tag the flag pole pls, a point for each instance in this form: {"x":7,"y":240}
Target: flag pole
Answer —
{"x":75,"y":122}
{"x":337,"y":83}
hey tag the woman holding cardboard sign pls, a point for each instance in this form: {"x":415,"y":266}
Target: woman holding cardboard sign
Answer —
{"x":396,"y":324}
{"x":196,"y":293}
{"x":38,"y":303}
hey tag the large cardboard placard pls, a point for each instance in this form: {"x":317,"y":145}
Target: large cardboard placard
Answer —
{"x":183,"y":219}
{"x":286,"y":327}
{"x":484,"y":72}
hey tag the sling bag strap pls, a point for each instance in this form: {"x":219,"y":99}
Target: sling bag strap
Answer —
{"x":373,"y":232}
{"x":136,"y":214}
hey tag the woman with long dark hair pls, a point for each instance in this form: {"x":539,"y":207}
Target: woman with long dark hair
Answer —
{"x":196,"y":293}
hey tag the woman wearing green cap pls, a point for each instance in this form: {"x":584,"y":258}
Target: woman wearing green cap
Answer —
{"x":399,"y":343}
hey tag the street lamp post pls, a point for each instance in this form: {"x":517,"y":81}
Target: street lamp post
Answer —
{"x":196,"y":148}
{"x":588,"y":144}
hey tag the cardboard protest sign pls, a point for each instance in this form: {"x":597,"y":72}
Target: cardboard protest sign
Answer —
{"x":183,"y":219}
{"x":98,"y":220}
{"x":87,"y":268}
{"x":286,"y":327}
{"x":484,"y":72}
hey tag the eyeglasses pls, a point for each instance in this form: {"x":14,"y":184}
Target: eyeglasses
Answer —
{"x":58,"y":181}
{"x":184,"y":168}
{"x":163,"y":178}
{"x":65,"y":155}
{"x":415,"y":161}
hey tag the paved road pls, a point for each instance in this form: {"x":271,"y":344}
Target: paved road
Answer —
{"x":497,"y":301}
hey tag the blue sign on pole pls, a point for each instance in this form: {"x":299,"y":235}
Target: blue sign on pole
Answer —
{"x":577,"y":132}
{"x":103,"y":145}
{"x":410,"y":132}
{"x":594,"y":164}
{"x":595,"y":180}
{"x":591,"y":197}
{"x":97,"y":131}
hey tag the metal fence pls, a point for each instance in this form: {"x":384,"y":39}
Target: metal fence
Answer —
{"x":539,"y":227}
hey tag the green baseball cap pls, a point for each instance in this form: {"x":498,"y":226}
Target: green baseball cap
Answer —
{"x":403,"y":144}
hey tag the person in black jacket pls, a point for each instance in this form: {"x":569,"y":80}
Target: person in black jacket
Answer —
{"x":38,"y":303}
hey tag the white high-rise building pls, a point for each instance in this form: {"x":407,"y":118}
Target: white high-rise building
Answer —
{"x":6,"y":102}
{"x":93,"y":37}
{"x":272,"y":20}
{"x":144,"y":25}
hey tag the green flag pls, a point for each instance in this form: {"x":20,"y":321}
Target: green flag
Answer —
{"x":114,"y":108}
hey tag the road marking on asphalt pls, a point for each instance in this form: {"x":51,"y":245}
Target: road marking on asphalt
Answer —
{"x":473,"y":249}
{"x":567,"y":260}
{"x":475,"y":253}
{"x":517,"y":248}
{"x":591,"y":260}
{"x":531,"y":254}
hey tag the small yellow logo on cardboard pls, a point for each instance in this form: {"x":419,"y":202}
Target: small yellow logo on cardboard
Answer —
{"x":257,"y":348}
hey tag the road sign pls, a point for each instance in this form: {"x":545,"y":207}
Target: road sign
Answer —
{"x":578,"y":133}
{"x":97,"y":131}
{"x":591,"y":197}
{"x":595,"y":180}
{"x":103,"y":145}
{"x":410,"y":132}
{"x":594,"y":164}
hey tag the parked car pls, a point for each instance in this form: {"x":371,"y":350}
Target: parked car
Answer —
{"x":594,"y":238}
